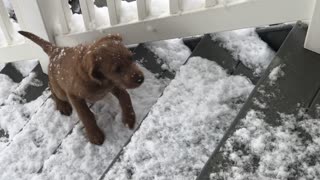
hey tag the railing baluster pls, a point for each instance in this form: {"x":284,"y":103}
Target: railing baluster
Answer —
{"x":114,"y":11}
{"x":88,"y":13}
{"x":175,"y":6}
{"x":64,"y":15}
{"x":312,"y":40}
{"x":5,"y":23}
{"x":210,"y":3}
{"x":143,"y":7}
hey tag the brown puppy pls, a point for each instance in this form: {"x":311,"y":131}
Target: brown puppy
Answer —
{"x":87,"y":73}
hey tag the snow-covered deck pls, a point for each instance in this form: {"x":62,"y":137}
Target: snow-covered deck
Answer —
{"x":276,"y":133}
{"x":182,"y":119}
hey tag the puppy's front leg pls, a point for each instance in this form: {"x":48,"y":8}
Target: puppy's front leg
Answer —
{"x":95,"y":135}
{"x":128,"y":115}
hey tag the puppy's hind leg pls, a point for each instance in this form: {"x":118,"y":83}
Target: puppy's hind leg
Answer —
{"x":63,"y":106}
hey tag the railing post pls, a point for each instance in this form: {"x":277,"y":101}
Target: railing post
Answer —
{"x":210,"y":3}
{"x":88,"y":13}
{"x":114,"y":11}
{"x":143,"y":7}
{"x":30,"y":19}
{"x":64,"y":15}
{"x":313,"y":40}
{"x":5,"y":23}
{"x":175,"y":6}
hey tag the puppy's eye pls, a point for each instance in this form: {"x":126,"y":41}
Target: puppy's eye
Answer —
{"x":118,"y":70}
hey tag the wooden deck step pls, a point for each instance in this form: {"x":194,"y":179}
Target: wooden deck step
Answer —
{"x":151,"y":61}
{"x":294,"y":90}
{"x":26,"y":97}
{"x":212,"y":50}
{"x":207,"y":49}
{"x":109,"y":119}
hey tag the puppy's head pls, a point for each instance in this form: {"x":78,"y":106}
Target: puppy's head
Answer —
{"x":110,"y":60}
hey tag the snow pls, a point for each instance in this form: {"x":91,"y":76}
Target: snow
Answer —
{"x":193,"y":4}
{"x":128,"y":12}
{"x":7,"y":85}
{"x":173,"y":52}
{"x":276,"y":73}
{"x":25,"y":67}
{"x":38,"y":140}
{"x":14,"y":112}
{"x":178,"y":135}
{"x":12,"y":119}
{"x":282,"y":152}
{"x":15,"y":115}
{"x":158,"y":8}
{"x":2,"y":65}
{"x":76,"y":23}
{"x":16,"y":37}
{"x":2,"y":39}
{"x":7,"y":4}
{"x":173,"y":142}
{"x":87,"y":160}
{"x":48,"y":132}
{"x":102,"y":16}
{"x":247,"y":47}
{"x":260,"y":104}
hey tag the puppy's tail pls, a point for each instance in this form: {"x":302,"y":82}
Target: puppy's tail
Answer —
{"x":45,"y":45}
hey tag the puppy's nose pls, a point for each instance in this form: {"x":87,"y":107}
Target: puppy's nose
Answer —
{"x":140,"y":79}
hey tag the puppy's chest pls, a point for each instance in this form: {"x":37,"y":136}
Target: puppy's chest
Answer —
{"x":95,"y":94}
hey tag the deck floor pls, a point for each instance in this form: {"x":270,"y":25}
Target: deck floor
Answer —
{"x":184,"y":114}
{"x":286,"y":104}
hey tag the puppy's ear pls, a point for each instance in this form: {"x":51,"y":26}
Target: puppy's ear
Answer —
{"x":110,"y":37}
{"x":91,"y":64}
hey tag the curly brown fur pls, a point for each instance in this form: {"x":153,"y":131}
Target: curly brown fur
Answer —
{"x":87,"y":73}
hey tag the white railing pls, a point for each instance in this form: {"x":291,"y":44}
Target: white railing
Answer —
{"x":52,"y":20}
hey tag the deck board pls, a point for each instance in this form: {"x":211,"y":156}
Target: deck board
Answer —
{"x":151,"y":61}
{"x":290,"y":93}
{"x":22,"y":103}
{"x":212,"y":50}
{"x":108,"y":116}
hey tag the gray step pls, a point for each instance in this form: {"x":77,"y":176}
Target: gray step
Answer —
{"x":288,"y":94}
{"x":212,"y":50}
{"x":23,"y":101}
{"x":274,"y":35}
{"x":123,"y":168}
{"x":12,"y":72}
{"x":151,"y":61}
{"x":109,"y":120}
{"x":38,"y":125}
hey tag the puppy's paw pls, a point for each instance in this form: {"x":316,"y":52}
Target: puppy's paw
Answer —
{"x":96,"y":136}
{"x":65,"y":108}
{"x":129,"y":120}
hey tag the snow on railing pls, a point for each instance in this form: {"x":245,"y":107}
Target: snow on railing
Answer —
{"x":150,"y":20}
{"x":183,"y":18}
